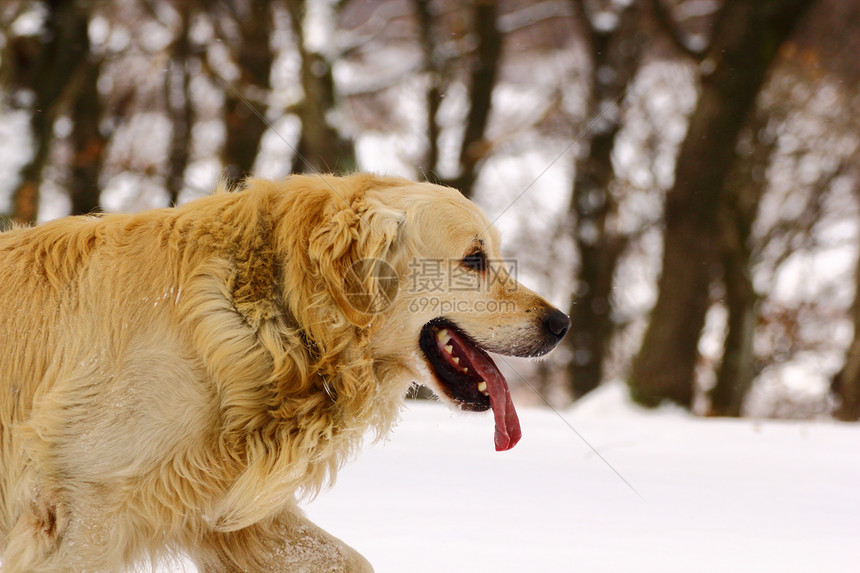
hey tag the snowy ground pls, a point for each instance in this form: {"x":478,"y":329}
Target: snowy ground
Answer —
{"x":716,"y":495}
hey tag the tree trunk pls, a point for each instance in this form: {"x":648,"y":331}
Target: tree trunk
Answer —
{"x":88,"y":142}
{"x":177,"y":86}
{"x":737,"y":369}
{"x":846,"y":383}
{"x":63,"y":44}
{"x":25,"y":199}
{"x":321,"y":149}
{"x":746,"y":39}
{"x":615,"y":57}
{"x":433,"y":97}
{"x":475,"y":146}
{"x":254,"y":58}
{"x":742,"y":194}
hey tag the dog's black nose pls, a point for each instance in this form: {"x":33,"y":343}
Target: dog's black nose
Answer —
{"x":557,"y":323}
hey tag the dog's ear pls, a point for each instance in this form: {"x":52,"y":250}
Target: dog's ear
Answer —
{"x":352,"y":250}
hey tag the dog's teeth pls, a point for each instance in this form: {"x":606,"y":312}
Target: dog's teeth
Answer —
{"x":465,"y":370}
{"x":455,"y":360}
{"x":482,"y":386}
{"x":449,"y":349}
{"x":442,"y":336}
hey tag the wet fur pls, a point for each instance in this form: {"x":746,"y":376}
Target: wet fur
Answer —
{"x":171,"y":381}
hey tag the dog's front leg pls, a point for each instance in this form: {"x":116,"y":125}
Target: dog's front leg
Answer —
{"x":289,"y":543}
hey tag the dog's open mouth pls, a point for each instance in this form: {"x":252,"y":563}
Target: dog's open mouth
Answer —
{"x":470,"y":378}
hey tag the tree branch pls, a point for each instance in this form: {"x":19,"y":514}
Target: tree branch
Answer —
{"x":667,"y":24}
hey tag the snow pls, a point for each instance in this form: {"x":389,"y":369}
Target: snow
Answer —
{"x":716,"y":495}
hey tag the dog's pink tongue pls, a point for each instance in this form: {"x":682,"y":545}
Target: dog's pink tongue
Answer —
{"x":508,"y":431}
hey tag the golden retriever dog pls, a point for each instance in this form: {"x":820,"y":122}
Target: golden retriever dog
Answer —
{"x":173,"y":381}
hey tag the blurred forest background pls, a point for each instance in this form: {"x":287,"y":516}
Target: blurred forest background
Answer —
{"x":681,"y":175}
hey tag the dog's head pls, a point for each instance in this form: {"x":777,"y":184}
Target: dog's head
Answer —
{"x":421,"y":265}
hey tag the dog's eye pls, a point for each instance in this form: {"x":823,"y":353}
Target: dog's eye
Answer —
{"x":476,"y":261}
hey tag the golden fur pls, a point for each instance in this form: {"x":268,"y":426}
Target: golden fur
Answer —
{"x":171,"y":381}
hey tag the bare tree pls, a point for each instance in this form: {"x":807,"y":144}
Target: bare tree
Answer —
{"x":738,"y":209}
{"x":322,"y":148}
{"x":433,"y":68}
{"x":177,"y":96}
{"x":45,"y":66}
{"x":88,"y":139}
{"x":482,"y":62}
{"x":615,"y":53}
{"x":846,"y":383}
{"x":482,"y":81}
{"x":251,"y":51}
{"x":746,"y":38}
